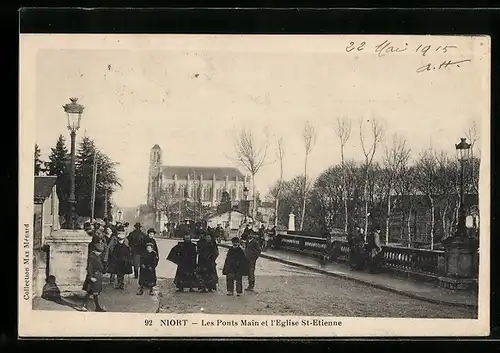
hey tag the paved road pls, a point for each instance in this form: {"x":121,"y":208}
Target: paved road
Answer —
{"x":286,"y":290}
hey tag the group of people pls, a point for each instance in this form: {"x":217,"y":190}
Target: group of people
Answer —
{"x":196,"y":263}
{"x":365,"y":252}
{"x":115,"y":251}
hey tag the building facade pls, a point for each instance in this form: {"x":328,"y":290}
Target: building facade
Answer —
{"x":205,"y":184}
{"x":45,"y":221}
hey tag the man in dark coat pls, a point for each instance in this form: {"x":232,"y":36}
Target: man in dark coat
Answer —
{"x":207,"y":271}
{"x":252,"y":252}
{"x":235,"y":267}
{"x":120,"y":259}
{"x":147,"y":273}
{"x":246,"y":233}
{"x":137,"y":241}
{"x":184,"y":255}
{"x":374,"y":250}
{"x":93,"y":281}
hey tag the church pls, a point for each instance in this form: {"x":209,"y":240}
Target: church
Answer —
{"x":205,"y":184}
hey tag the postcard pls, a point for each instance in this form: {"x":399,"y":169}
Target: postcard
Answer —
{"x":254,"y":185}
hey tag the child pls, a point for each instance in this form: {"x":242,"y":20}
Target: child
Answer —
{"x":235,"y":267}
{"x":93,"y":281}
{"x":147,"y":272}
{"x":51,"y":290}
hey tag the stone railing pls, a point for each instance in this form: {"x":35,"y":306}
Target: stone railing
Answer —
{"x":428,"y":264}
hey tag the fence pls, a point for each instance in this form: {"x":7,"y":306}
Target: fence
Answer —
{"x":422,"y":264}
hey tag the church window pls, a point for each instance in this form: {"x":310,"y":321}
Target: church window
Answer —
{"x":233,"y":193}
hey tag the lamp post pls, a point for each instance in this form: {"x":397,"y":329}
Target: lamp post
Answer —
{"x":463,"y":149}
{"x":245,"y":194}
{"x":74,"y":112}
{"x":119,"y":216}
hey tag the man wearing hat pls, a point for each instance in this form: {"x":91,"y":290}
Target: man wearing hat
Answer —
{"x":137,"y":241}
{"x":120,"y":259}
{"x":93,"y":281}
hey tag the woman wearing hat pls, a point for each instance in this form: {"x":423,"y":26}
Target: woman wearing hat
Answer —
{"x":93,"y":281}
{"x":120,"y":259}
{"x":137,"y":241}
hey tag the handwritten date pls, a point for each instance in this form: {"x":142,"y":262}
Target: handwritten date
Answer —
{"x":387,"y":47}
{"x":443,"y":65}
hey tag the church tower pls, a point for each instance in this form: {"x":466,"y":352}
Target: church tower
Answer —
{"x":155,"y":163}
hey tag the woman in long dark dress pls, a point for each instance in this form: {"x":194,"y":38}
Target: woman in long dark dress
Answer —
{"x":147,"y":271}
{"x":184,"y":255}
{"x":93,"y":281}
{"x":120,"y":260}
{"x":207,"y":271}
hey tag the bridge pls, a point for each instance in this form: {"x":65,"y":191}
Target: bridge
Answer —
{"x":292,"y":279}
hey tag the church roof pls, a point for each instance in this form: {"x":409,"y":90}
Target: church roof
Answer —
{"x":43,"y":186}
{"x":156,"y":147}
{"x":220,"y":173}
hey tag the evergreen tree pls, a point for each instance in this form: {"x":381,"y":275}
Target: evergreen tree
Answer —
{"x":225,"y":203}
{"x":58,"y":165}
{"x":39,"y":164}
{"x":107,"y":179}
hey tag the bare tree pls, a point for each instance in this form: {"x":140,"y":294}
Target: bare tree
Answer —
{"x":472,"y":135}
{"x":369,"y":150}
{"x":427,"y":184}
{"x":343,"y":130}
{"x":280,"y":152}
{"x":251,"y":155}
{"x":395,"y":160}
{"x":310,"y":137}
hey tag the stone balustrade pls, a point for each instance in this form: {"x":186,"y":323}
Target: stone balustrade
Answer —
{"x":420,"y":264}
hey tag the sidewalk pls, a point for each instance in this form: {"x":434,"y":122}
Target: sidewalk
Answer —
{"x":113,"y":300}
{"x":417,"y":290}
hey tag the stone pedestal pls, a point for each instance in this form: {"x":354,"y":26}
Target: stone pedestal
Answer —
{"x":460,"y":263}
{"x":68,"y":258}
{"x":291,"y":222}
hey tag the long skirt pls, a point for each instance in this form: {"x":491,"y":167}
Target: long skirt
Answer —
{"x":147,"y":277}
{"x":186,"y":278}
{"x":208,"y":276}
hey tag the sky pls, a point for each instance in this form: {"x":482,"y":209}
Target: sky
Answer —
{"x":192,"y":96}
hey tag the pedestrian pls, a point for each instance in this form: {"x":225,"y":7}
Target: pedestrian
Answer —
{"x":207,"y":268}
{"x":184,"y":255}
{"x":252,"y":252}
{"x":151,"y":239}
{"x":120,"y":259}
{"x":227,"y":232}
{"x":93,"y":280}
{"x":147,"y":272}
{"x":137,"y":241}
{"x":374,"y":250}
{"x":235,"y":267}
{"x":110,"y":243}
{"x":246,"y":233}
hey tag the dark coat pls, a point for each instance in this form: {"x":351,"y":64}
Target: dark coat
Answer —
{"x":252,"y":250}
{"x":236,"y":263}
{"x":207,"y":268}
{"x":137,"y":241}
{"x":95,"y":269}
{"x":147,"y":272}
{"x":184,"y":255}
{"x":120,"y":260}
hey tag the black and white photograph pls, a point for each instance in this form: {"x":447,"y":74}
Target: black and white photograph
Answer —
{"x":232,"y":185}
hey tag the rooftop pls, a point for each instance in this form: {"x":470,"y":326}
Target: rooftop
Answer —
{"x":43,"y":186}
{"x":220,"y":173}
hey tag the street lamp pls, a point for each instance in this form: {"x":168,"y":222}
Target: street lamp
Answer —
{"x":245,"y":194}
{"x":74,"y":112}
{"x":119,"y":215}
{"x":463,"y":149}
